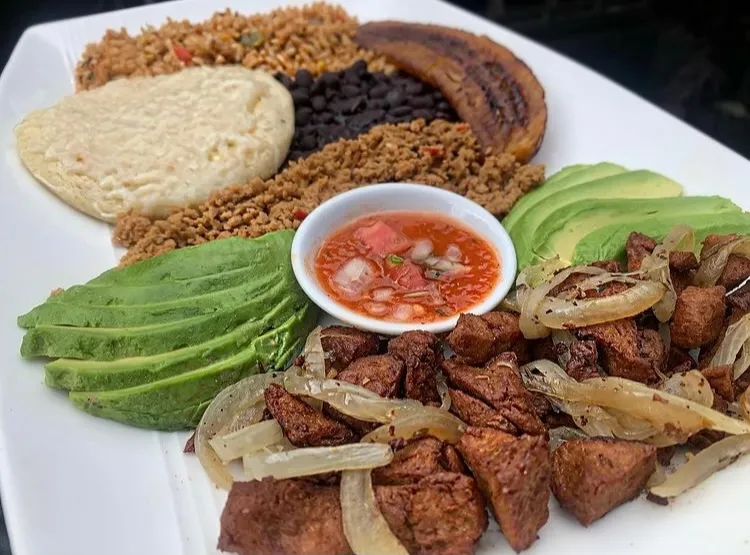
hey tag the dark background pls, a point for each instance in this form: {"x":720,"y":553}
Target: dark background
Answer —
{"x":691,"y":57}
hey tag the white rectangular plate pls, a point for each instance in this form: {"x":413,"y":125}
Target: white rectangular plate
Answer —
{"x":73,"y":484}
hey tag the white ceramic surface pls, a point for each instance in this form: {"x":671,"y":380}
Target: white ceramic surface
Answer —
{"x":388,"y":197}
{"x":73,"y":484}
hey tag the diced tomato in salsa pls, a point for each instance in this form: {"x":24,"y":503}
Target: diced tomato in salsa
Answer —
{"x":382,"y":239}
{"x":409,"y":276}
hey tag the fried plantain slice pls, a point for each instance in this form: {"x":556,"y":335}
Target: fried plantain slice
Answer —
{"x":489,"y":87}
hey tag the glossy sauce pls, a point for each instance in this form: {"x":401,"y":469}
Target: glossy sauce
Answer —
{"x":378,"y":266}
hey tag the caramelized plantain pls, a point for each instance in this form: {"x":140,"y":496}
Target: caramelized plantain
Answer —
{"x":490,"y":89}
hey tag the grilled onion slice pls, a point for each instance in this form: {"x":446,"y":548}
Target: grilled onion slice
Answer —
{"x":691,"y":386}
{"x":428,"y":421}
{"x":246,"y":440}
{"x":308,"y":461}
{"x":365,"y":528}
{"x":529,"y":321}
{"x":674,"y":417}
{"x":349,"y":399}
{"x":700,"y":467}
{"x":560,"y":313}
{"x":656,"y":267}
{"x":714,"y":260}
{"x":735,"y":340}
{"x":229,"y":402}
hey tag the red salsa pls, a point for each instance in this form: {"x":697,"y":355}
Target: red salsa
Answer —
{"x":407,"y":267}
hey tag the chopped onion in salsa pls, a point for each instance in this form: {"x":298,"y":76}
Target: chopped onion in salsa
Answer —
{"x":407,"y":266}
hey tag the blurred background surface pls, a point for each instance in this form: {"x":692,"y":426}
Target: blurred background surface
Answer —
{"x":692,"y":58}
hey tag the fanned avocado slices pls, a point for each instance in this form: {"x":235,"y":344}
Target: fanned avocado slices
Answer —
{"x":559,"y":234}
{"x":569,"y":176}
{"x":109,"y":315}
{"x":608,"y":243}
{"x":148,"y":339}
{"x":151,"y":344}
{"x":585,"y":213}
{"x":96,"y":375}
{"x":639,"y":184}
{"x":126,"y":295}
{"x":144,"y":404}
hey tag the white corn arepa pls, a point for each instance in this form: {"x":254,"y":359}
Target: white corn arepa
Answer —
{"x":152,"y":143}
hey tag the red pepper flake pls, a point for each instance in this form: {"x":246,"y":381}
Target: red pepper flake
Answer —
{"x":462,"y":127}
{"x":183,"y":54}
{"x":300,"y":214}
{"x":433,"y":150}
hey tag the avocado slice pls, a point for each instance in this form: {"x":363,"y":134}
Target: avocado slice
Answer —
{"x":224,"y":255}
{"x":150,"y":339}
{"x":569,"y":176}
{"x":126,"y":295}
{"x":565,"y":172}
{"x":635,"y":184}
{"x":559,"y":234}
{"x":94,"y":375}
{"x":154,"y":312}
{"x":174,"y":403}
{"x":608,"y":243}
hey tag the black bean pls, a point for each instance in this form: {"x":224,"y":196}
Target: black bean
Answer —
{"x":336,"y":131}
{"x":443,"y":106}
{"x":442,"y":115}
{"x":349,"y":90}
{"x":402,"y":119}
{"x":304,"y":78}
{"x":355,"y":104}
{"x":308,"y":142}
{"x":377,"y":103}
{"x":420,"y":102}
{"x":359,"y":67}
{"x":395,"y":98}
{"x":366,"y":119}
{"x":351,"y":77}
{"x":401,"y":111}
{"x":415,"y":87}
{"x":329,"y":79}
{"x":325,"y":117}
{"x":336,"y":105}
{"x":423,"y":113}
{"x":379,"y":90}
{"x":302,"y":117}
{"x":318,"y":87}
{"x":301,"y":97}
{"x":284,"y":79}
{"x":331,"y":93}
{"x":318,"y":103}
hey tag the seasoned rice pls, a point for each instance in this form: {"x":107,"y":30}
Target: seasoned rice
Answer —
{"x":318,"y":37}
